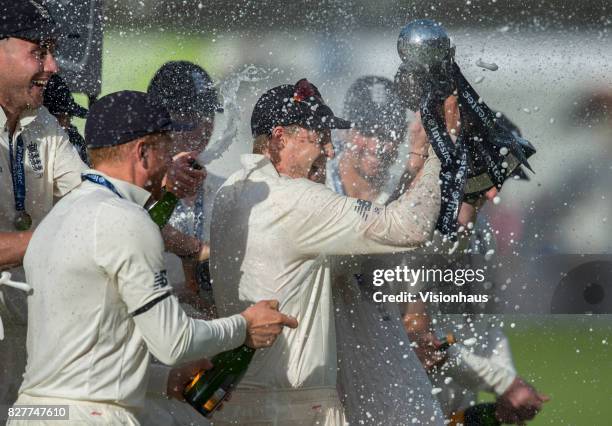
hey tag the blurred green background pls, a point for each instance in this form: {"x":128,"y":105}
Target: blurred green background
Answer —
{"x":129,"y":60}
{"x":569,"y":358}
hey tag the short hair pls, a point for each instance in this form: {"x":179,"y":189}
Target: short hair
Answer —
{"x":115,"y":153}
{"x":261,"y":142}
{"x":108,"y":154}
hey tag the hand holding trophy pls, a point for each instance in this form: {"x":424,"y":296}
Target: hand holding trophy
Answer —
{"x":485,"y":152}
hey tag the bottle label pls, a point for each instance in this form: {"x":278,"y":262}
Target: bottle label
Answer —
{"x":214,"y":400}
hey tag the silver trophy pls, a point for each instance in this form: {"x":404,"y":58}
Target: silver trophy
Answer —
{"x":428,"y":66}
{"x":427,"y":55}
{"x":425,"y":43}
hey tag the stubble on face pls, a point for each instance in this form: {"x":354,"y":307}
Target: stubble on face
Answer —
{"x":159,"y":159}
{"x":25,"y":69}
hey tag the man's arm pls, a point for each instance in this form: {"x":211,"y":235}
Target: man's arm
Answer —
{"x":137,"y":266}
{"x":13,"y":246}
{"x":325,"y":222}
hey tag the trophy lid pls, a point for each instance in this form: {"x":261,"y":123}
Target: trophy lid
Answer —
{"x":425,"y":42}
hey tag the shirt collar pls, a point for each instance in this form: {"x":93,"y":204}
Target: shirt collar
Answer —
{"x":129,"y":191}
{"x":25,"y":118}
{"x":260,"y":162}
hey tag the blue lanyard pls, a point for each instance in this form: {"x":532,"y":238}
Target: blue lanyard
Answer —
{"x":18,"y":173}
{"x":101,"y":180}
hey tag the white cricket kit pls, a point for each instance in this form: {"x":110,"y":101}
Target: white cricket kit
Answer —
{"x":52,"y":165}
{"x":101,"y":302}
{"x":269,"y":238}
{"x":52,"y":168}
{"x":380,"y":378}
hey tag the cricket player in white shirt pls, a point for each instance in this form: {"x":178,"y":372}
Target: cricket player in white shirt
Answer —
{"x":283,"y":226}
{"x":101,"y":303}
{"x":37,"y":163}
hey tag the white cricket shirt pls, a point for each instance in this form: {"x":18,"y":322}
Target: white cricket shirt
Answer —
{"x":270,"y":236}
{"x":101,"y":302}
{"x":52,"y":165}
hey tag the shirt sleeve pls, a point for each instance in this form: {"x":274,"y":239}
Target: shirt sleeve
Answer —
{"x":67,"y":167}
{"x":490,"y":372}
{"x":324,"y":222}
{"x":130,"y":248}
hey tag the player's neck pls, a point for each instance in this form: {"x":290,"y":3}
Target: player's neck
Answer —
{"x":122,"y":171}
{"x":12,"y":115}
{"x":354,"y":184}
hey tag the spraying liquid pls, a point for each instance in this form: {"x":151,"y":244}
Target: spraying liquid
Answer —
{"x":228,"y":89}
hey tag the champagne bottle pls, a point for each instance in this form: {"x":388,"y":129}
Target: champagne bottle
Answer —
{"x":209,"y":387}
{"x":447,"y":341}
{"x":477,"y":415}
{"x":162,"y":209}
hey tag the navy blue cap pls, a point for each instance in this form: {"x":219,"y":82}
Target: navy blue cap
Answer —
{"x":26,"y":19}
{"x":185,"y":88}
{"x":121,"y":117}
{"x":373,"y":105}
{"x":299,"y":104}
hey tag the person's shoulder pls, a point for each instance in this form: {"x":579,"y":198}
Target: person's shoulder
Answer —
{"x":302,"y":185}
{"x":46,"y":123}
{"x":122,"y":215}
{"x":213,"y":182}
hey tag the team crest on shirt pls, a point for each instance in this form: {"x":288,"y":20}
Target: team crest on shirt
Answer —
{"x":34,"y":157}
{"x":161,"y":280}
{"x":363,"y":208}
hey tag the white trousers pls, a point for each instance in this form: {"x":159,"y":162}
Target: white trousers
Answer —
{"x":280,"y":407}
{"x":80,"y":413}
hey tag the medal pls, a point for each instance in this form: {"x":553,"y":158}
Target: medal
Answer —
{"x":23,"y":221}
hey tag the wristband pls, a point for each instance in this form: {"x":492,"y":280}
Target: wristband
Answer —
{"x":420,"y":155}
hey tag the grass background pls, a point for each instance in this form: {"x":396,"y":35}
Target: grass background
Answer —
{"x":567,"y":357}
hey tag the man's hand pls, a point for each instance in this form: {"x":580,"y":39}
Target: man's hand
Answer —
{"x":180,"y":376}
{"x":520,"y":402}
{"x":425,"y":343}
{"x":426,"y":349}
{"x":265,"y":323}
{"x":182,"y":179}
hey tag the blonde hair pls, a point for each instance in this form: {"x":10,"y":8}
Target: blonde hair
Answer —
{"x":118,"y":153}
{"x":108,"y":154}
{"x":260,"y":144}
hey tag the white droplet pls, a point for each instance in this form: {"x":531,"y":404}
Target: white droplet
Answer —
{"x":469,"y":342}
{"x":436,"y":391}
{"x":490,"y":66}
{"x":503,"y":150}
{"x":496,"y":200}
{"x":447,"y":380}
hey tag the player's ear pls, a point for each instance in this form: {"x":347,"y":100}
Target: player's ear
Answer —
{"x":141,"y":152}
{"x":278,"y":132}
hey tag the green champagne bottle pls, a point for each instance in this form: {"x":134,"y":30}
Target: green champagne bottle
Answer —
{"x":162,"y":209}
{"x":477,"y":415}
{"x":209,"y":387}
{"x":447,"y":341}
